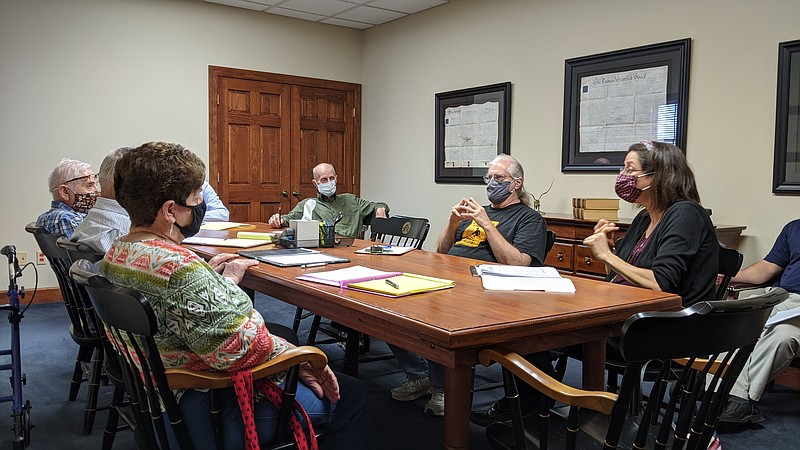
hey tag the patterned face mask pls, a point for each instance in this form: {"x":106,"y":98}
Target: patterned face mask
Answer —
{"x":84,"y":202}
{"x":625,"y":186}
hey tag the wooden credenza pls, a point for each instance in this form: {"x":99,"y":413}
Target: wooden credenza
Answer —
{"x":570,"y":255}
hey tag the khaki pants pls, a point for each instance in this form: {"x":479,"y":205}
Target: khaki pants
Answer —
{"x":776,"y":348}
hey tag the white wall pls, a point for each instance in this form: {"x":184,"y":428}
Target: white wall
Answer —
{"x":468,"y":43}
{"x":80,"y":78}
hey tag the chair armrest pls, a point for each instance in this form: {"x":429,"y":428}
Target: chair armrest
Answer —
{"x":700,"y":363}
{"x":599,"y":401}
{"x":736,"y":287}
{"x":196,"y":379}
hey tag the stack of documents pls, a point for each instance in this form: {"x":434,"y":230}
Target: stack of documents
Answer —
{"x":225,"y":242}
{"x":518,"y":278}
{"x":391,"y":284}
{"x":343,"y":277}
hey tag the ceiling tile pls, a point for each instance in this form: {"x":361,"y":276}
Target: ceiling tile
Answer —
{"x":407,"y":6}
{"x":295,"y":14}
{"x":321,"y":7}
{"x":345,"y":23}
{"x":371,"y":15}
{"x":240,"y":4}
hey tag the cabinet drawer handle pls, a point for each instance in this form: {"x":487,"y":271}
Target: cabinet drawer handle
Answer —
{"x":560,"y":257}
{"x":587,"y":260}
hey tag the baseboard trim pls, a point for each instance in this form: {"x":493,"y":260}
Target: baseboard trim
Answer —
{"x":44,"y":295}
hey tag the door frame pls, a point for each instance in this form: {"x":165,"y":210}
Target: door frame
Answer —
{"x":215,"y":73}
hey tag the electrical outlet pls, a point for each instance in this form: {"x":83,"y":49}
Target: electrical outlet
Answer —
{"x":40,"y":258}
{"x":22,"y":257}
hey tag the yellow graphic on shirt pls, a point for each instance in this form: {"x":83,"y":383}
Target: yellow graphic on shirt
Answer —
{"x":474,"y":235}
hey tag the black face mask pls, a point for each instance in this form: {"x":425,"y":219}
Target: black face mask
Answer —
{"x":198,"y":211}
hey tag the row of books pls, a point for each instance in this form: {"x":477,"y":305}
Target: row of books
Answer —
{"x":595,"y":208}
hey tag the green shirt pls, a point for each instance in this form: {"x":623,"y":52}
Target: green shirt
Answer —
{"x":354,"y":210}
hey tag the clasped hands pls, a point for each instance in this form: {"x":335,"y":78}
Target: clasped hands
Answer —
{"x":601,"y":241}
{"x":467,"y":209}
{"x":231,"y":266}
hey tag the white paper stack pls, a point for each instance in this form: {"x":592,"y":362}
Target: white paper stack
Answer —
{"x":518,"y":278}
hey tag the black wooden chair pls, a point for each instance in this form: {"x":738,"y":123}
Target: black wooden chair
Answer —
{"x":131,"y":324}
{"x":397,"y":231}
{"x":83,"y":325}
{"x":701,"y":351}
{"x":119,"y":407}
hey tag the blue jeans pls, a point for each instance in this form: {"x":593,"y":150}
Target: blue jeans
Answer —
{"x":345,"y":424}
{"x":416,"y":366}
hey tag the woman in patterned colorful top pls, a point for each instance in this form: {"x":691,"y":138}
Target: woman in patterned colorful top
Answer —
{"x":206,"y":322}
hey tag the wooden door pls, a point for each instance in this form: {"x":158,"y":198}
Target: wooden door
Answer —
{"x":267,"y":131}
{"x":323,"y":126}
{"x":255,"y":143}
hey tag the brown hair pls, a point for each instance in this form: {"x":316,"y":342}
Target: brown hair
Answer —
{"x":154,"y":173}
{"x":673,"y":179}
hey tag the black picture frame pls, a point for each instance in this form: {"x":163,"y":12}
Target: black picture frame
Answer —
{"x":618,"y":68}
{"x":500,"y":93}
{"x":786,"y":171}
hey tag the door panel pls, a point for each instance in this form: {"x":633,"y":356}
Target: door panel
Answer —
{"x":255,"y":144}
{"x":322,"y":125}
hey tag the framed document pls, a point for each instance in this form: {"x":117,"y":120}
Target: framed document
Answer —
{"x":614,"y":99}
{"x":786,"y":173}
{"x":472,"y":127}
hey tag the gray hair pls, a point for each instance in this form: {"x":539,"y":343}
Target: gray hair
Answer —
{"x":66,"y":170}
{"x":106,"y":173}
{"x":516,"y":171}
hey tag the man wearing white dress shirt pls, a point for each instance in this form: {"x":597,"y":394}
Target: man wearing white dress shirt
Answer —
{"x":107,"y":220}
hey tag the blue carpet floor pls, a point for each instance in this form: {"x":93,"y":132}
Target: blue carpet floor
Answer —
{"x":49,"y":355}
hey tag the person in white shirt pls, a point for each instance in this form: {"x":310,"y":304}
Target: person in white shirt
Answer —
{"x":107,"y":220}
{"x":215,"y":209}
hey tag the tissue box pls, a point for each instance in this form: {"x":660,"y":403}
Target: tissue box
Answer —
{"x":306,"y":232}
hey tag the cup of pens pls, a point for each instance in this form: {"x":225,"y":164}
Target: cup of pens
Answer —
{"x":327,"y":235}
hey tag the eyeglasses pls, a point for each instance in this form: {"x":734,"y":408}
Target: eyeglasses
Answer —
{"x":498,"y":178}
{"x":625,"y":171}
{"x":91,"y":177}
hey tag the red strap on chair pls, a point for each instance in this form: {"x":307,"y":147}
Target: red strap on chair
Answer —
{"x":243,"y":386}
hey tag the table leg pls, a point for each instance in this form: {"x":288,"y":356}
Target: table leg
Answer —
{"x":457,"y":401}
{"x":594,"y":365}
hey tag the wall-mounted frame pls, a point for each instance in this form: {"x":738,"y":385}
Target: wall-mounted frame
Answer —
{"x":472,"y":127}
{"x":614,"y":99}
{"x":786,"y":172}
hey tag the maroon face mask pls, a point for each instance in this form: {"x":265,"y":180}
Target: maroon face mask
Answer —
{"x":625,"y":187}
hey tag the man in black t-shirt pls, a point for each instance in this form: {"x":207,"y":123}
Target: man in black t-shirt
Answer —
{"x":507,"y":231}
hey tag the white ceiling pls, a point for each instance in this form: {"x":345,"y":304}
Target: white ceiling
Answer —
{"x":346,"y":13}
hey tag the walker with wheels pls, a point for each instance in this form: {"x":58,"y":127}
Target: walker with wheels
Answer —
{"x":20,"y":409}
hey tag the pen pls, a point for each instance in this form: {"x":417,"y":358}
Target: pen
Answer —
{"x":306,"y":266}
{"x":392,"y":284}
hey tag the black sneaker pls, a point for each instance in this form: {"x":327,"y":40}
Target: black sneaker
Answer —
{"x":740,"y":411}
{"x":495,"y":413}
{"x":499,"y":411}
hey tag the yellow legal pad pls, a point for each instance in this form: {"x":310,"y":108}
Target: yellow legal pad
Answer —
{"x":272,"y":237}
{"x":401,"y":285}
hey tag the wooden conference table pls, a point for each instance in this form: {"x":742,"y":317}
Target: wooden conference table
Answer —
{"x":451,"y":326}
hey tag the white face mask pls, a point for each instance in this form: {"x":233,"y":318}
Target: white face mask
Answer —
{"x":327,"y":189}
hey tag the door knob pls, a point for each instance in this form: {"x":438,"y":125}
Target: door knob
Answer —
{"x":560,"y":257}
{"x":296,"y":194}
{"x":284,"y":194}
{"x":587,"y":260}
